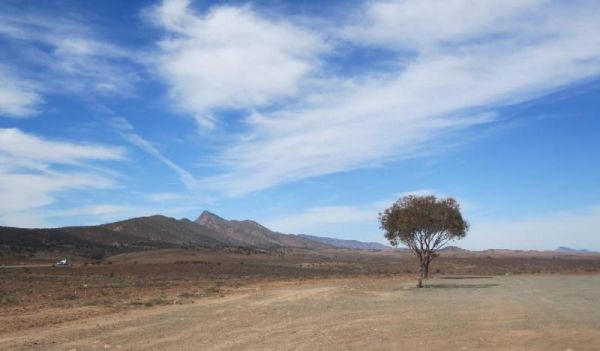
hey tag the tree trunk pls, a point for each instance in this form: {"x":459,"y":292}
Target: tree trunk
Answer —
{"x":422,"y":275}
{"x":426,"y":273}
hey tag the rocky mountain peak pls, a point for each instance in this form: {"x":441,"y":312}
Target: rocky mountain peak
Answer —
{"x":207,"y":217}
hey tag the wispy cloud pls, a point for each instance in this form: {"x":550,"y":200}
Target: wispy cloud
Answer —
{"x":33,"y":170}
{"x":18,"y":97}
{"x":186,"y":178}
{"x":308,"y":220}
{"x":280,"y":88}
{"x":55,"y":54}
{"x":442,"y":85}
{"x":27,"y":147}
{"x":316,"y":218}
{"x":425,"y":24}
{"x":572,"y":228}
{"x":126,"y":130}
{"x":211,"y":64}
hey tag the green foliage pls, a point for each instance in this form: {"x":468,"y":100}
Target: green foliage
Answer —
{"x":424,"y":224}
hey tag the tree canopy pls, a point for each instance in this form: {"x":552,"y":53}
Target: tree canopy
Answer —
{"x":424,"y":224}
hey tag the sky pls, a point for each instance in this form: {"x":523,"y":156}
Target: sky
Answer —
{"x":307,"y":116}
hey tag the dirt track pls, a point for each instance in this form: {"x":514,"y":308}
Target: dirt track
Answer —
{"x":551,"y":312}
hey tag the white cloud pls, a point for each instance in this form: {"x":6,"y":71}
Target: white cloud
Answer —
{"x":314,"y":217}
{"x":231,"y":57}
{"x":576,"y":228}
{"x":423,"y":24}
{"x":127,"y":132}
{"x":18,"y":98}
{"x":23,"y":191}
{"x":186,"y":178}
{"x":34,"y":170}
{"x":323,"y":218}
{"x":60,"y":55}
{"x":22,"y":146}
{"x":444,"y":85}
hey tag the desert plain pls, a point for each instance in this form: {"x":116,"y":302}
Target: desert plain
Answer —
{"x":301,"y":299}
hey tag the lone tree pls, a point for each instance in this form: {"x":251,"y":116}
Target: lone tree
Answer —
{"x":425,"y":224}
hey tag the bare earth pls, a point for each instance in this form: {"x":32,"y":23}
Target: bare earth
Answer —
{"x":522,"y":312}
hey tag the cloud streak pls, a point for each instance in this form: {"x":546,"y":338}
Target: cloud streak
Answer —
{"x":57,"y":55}
{"x":23,"y":146}
{"x":126,"y":130}
{"x":451,"y":75}
{"x":307,"y":221}
{"x":573,"y":228}
{"x":211,"y":64}
{"x":34,"y":170}
{"x":18,"y":97}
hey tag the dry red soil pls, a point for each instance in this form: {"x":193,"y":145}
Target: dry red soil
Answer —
{"x":344,"y":299}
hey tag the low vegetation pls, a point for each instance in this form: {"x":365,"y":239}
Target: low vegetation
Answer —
{"x":425,"y":225}
{"x":40,"y":294}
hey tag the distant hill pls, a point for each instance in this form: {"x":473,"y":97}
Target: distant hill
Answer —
{"x":167,"y":230}
{"x":564,"y":249}
{"x":453,"y":249}
{"x":348,"y":244}
{"x":208,"y":230}
{"x":128,"y":235}
{"x":252,"y":234}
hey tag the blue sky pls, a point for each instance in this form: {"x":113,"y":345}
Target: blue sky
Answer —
{"x":307,"y":117}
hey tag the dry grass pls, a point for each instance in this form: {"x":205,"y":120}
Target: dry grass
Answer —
{"x":168,"y":277}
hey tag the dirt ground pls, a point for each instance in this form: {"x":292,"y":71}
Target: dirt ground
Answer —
{"x":522,"y":312}
{"x":35,"y":294}
{"x":35,"y":297}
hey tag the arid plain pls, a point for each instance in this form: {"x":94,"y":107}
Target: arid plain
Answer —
{"x":300,"y":299}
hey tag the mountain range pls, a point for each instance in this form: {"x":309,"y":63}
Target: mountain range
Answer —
{"x":208,"y":230}
{"x":564,"y":249}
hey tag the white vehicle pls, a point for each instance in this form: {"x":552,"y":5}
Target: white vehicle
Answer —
{"x":63,"y":263}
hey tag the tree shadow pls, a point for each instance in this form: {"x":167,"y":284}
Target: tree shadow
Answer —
{"x":466,"y":277}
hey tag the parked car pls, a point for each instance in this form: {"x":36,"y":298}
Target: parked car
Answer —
{"x":63,"y":263}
